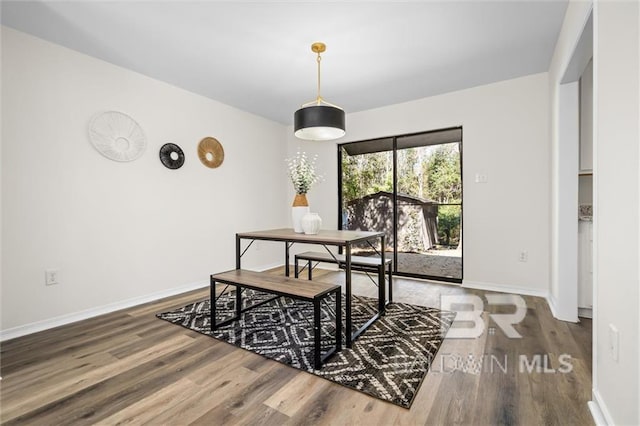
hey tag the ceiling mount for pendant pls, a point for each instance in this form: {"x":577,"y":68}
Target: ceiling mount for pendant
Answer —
{"x":318,"y":47}
{"x":319,"y":120}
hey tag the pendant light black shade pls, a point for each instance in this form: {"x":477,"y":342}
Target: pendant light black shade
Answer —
{"x":319,"y":123}
{"x":319,"y":120}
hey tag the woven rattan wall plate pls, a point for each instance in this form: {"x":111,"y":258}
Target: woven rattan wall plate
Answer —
{"x":210,"y":152}
{"x":171,"y":156}
{"x":117,"y":136}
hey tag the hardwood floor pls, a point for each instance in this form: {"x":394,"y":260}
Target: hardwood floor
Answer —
{"x":129,"y":367}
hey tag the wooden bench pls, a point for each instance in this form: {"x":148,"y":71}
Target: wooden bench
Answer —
{"x":358,"y":263}
{"x":281,"y":286}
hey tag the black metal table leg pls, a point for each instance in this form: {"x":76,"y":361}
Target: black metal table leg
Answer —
{"x":238,"y":251}
{"x":390,"y":273}
{"x":286,"y":258}
{"x":382,"y":300}
{"x":317,"y":355}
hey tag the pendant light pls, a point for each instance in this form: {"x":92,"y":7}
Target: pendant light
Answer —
{"x":319,"y":120}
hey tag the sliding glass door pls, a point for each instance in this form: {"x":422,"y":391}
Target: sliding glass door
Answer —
{"x":409,"y":187}
{"x":367,"y":192}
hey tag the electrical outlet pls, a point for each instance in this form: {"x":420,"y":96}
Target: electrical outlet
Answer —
{"x":481,"y":178}
{"x":51,"y":276}
{"x":614,"y":342}
{"x":523,"y":256}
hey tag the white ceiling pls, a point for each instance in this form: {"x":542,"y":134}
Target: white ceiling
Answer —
{"x":256,"y":55}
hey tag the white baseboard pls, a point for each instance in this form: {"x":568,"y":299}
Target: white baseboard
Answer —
{"x":37,"y":326}
{"x":599,"y":412}
{"x":553,"y":307}
{"x":263,"y":268}
{"x":522,"y":291}
{"x":551,"y":301}
{"x":585,"y":313}
{"x":477,"y":285}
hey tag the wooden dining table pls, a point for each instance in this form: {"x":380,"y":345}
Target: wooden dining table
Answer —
{"x":344,"y":239}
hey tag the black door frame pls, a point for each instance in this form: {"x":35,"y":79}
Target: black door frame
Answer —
{"x":395,"y":201}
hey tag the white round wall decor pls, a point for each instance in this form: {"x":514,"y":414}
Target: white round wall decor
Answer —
{"x":117,"y":136}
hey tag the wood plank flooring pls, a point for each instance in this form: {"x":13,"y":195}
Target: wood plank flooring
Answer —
{"x":129,"y":367}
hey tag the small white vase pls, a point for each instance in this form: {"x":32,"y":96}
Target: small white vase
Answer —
{"x":311,"y":223}
{"x":297,"y":213}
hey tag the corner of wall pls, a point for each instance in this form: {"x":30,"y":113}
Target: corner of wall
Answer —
{"x":599,"y":411}
{"x":558,"y":313}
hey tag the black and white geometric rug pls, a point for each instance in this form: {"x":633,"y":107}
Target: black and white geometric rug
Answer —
{"x":388,"y":361}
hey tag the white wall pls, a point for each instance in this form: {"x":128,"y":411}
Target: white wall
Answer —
{"x":564,"y":300}
{"x":568,"y":58}
{"x":616,"y":184}
{"x":617,"y":208}
{"x":505,"y":132}
{"x":120,"y":231}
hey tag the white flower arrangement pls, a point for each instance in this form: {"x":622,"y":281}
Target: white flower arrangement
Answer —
{"x":302,"y":172}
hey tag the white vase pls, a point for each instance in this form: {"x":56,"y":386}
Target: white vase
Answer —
{"x":311,"y":223}
{"x":297,"y":213}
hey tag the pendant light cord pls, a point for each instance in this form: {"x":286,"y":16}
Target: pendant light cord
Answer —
{"x":319,"y":98}
{"x":319,"y":48}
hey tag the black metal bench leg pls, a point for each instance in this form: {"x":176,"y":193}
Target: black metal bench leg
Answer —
{"x":317,"y":354}
{"x":338,"y":320}
{"x":310,"y":269}
{"x":295,"y":266}
{"x":238,"y":302}
{"x":390,"y":282}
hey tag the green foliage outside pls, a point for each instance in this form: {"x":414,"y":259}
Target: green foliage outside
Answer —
{"x":409,"y":174}
{"x":366,"y":174}
{"x":441,"y":175}
{"x":449,"y":225}
{"x":431,"y":173}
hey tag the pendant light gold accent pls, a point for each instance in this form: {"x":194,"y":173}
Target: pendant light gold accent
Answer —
{"x":319,"y":120}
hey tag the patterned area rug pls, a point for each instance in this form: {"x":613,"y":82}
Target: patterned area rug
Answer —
{"x":389,"y":361}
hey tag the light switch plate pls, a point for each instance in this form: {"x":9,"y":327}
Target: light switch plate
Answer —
{"x":614,"y":342}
